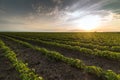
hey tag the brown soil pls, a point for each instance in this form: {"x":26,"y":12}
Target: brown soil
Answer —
{"x":48,"y":68}
{"x":7,"y":72}
{"x":102,"y":62}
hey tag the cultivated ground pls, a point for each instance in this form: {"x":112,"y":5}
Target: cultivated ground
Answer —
{"x":52,"y":69}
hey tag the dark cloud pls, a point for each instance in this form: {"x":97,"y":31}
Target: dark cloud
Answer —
{"x":114,"y":5}
{"x":53,"y":10}
{"x":5,"y":22}
{"x":57,"y":8}
{"x":16,"y":7}
{"x":24,"y":7}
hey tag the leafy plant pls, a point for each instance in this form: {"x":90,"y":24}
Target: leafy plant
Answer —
{"x":109,"y":75}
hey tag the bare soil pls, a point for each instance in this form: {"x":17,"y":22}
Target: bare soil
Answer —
{"x":48,"y":68}
{"x":104,"y":63}
{"x":7,"y":71}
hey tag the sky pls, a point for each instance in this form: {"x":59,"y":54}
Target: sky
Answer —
{"x":60,"y":15}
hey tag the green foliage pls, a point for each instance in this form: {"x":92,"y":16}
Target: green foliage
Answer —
{"x":109,"y":75}
{"x":74,"y":62}
{"x":94,"y":70}
{"x":96,"y":52}
{"x":115,"y":48}
{"x":25,"y":72}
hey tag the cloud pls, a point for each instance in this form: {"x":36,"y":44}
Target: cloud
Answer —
{"x":2,"y":11}
{"x":67,"y":7}
{"x":55,"y":13}
{"x":58,"y":1}
{"x":11,"y":21}
{"x":8,"y":22}
{"x":115,"y":4}
{"x":61,"y":14}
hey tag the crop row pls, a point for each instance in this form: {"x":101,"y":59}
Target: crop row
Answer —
{"x":77,"y":43}
{"x":25,"y":72}
{"x":89,"y":45}
{"x":103,"y":39}
{"x":108,"y":75}
{"x":111,"y":40}
{"x":85,"y":51}
{"x":86,"y":45}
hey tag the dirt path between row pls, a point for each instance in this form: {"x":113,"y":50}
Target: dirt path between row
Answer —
{"x":102,"y":62}
{"x":44,"y":66}
{"x":7,"y":71}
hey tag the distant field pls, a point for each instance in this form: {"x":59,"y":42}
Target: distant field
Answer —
{"x":60,"y":56}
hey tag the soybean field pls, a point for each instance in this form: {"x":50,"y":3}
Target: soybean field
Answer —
{"x":59,"y":56}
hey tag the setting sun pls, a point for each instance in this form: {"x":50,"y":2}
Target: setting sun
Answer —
{"x":89,"y":22}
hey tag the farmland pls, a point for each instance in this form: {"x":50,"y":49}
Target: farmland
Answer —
{"x":59,"y":56}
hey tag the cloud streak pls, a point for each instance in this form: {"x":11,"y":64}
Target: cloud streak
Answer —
{"x":61,"y":14}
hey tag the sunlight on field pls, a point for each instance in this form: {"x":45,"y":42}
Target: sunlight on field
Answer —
{"x":66,"y":52}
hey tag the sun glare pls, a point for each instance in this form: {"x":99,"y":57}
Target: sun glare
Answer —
{"x":89,"y":22}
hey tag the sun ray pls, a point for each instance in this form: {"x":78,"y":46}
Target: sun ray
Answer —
{"x":89,"y":22}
